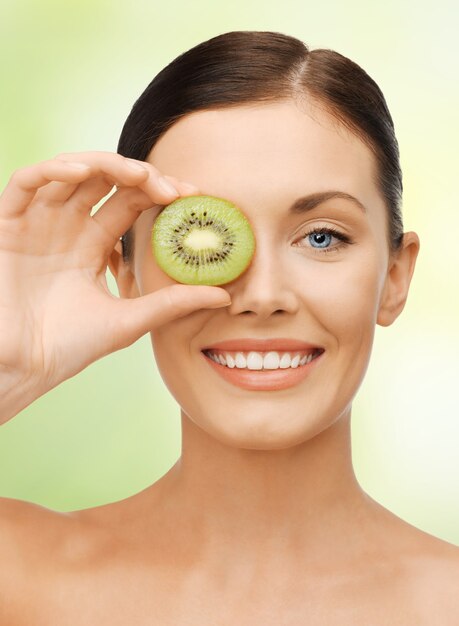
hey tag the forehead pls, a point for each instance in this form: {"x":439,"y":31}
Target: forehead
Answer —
{"x":254,"y":150}
{"x":263,"y":157}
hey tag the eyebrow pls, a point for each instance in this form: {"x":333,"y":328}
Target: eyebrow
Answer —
{"x":309,"y":202}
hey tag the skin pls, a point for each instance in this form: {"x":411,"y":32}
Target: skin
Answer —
{"x":263,"y":508}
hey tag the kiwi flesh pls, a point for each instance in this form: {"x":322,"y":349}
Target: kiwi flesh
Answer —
{"x":202,"y":240}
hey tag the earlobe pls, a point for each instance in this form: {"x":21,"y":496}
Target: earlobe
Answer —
{"x":398,"y":279}
{"x":122,"y":273}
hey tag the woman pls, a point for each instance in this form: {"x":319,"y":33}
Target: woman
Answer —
{"x":261,"y":520}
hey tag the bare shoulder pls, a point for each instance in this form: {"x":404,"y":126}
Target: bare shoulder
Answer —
{"x":436,"y":574}
{"x":24,"y":528}
{"x":36,"y":543}
{"x":419,"y":569}
{"x":27,"y":531}
{"x":428,"y":575}
{"x":31,"y":529}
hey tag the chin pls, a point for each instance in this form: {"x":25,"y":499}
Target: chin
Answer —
{"x":265,"y":432}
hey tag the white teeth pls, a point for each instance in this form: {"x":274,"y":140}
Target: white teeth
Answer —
{"x":285,"y":361}
{"x":256,"y":361}
{"x":240,"y":360}
{"x":271,"y":361}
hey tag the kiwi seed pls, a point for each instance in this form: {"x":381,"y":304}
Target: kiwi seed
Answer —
{"x":202,"y":240}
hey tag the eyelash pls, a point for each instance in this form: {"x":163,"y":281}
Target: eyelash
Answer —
{"x":344,"y":239}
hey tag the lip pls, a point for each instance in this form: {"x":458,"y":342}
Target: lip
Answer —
{"x":262,"y":345}
{"x":264,"y":380}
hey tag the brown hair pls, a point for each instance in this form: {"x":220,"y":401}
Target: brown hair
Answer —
{"x":242,"y":67}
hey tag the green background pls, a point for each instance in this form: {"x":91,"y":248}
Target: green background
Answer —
{"x":70,"y":72}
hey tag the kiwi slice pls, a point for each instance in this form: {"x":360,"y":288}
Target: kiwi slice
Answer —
{"x":202,"y":240}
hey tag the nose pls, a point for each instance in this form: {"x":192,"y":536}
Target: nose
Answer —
{"x":265,"y":287}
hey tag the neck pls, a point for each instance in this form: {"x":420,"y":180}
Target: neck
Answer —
{"x":301,"y":500}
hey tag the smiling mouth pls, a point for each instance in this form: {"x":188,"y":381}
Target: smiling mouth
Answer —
{"x":262,"y":361}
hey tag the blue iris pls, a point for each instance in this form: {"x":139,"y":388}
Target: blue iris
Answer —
{"x":320,"y":236}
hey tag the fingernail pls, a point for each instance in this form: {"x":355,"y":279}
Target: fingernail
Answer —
{"x":219,"y":304}
{"x":189,"y":188}
{"x":133,"y":165}
{"x":167,"y":187}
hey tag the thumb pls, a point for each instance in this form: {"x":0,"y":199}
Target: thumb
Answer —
{"x":139,"y":315}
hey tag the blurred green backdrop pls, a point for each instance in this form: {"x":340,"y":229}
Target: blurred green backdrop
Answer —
{"x":70,"y":73}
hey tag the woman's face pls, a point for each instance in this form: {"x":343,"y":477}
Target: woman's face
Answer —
{"x":314,"y":289}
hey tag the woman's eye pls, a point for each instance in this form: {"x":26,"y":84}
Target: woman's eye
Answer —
{"x":320,"y":239}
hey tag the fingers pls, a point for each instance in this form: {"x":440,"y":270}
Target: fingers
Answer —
{"x":185,"y":189}
{"x":80,"y":184}
{"x":128,"y":172}
{"x":90,"y":192}
{"x":119,"y":212}
{"x":25,"y":182}
{"x":138,"y":316}
{"x":87,"y":193}
{"x":105,"y":170}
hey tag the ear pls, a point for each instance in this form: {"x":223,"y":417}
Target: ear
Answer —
{"x":122,"y":272}
{"x":396,"y":286}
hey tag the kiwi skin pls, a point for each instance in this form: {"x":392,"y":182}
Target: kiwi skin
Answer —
{"x":202,"y":240}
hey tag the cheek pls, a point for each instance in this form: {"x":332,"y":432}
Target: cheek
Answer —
{"x":175,"y":352}
{"x":171,"y":358}
{"x":342,"y":302}
{"x":343,"y":295}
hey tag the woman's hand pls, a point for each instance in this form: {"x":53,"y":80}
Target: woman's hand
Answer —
{"x":57,"y":314}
